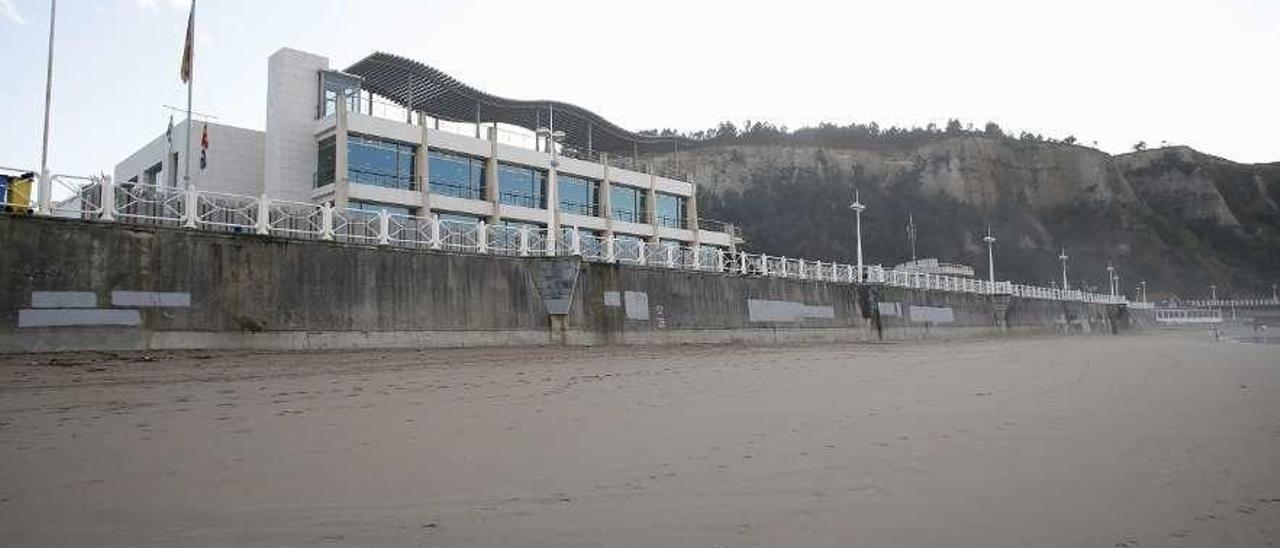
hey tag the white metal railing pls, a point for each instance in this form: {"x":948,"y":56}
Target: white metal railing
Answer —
{"x":99,"y":199}
{"x":151,"y":203}
{"x":226,"y":211}
{"x":293,"y":218}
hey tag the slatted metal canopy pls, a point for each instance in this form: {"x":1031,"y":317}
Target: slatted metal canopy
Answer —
{"x":420,"y":87}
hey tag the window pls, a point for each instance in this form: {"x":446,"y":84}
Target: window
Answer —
{"x":522,"y":186}
{"x":672,"y":210}
{"x":458,"y":219}
{"x":379,"y":162}
{"x":152,"y":175}
{"x":578,"y":195}
{"x":629,"y":204}
{"x":173,"y":170}
{"x":456,"y":175}
{"x":334,"y":85}
{"x":378,"y":206}
{"x":326,"y":162}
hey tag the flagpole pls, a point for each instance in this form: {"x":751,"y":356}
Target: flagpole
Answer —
{"x":190,"y":84}
{"x":45,"y":185}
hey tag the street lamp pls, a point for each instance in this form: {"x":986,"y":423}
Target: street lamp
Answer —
{"x":1144,"y":290}
{"x":1213,"y":293}
{"x":1111,"y":278}
{"x":1063,"y":258}
{"x":991,"y":260}
{"x":858,"y":208}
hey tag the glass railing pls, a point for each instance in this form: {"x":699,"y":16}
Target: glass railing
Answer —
{"x":522,"y":200}
{"x":363,"y":177}
{"x":578,"y":208}
{"x":457,"y":191}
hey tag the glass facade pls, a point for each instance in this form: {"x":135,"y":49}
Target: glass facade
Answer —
{"x":456,"y":175}
{"x":378,"y":206}
{"x":379,"y":162}
{"x":672,"y":210}
{"x":459,"y":218}
{"x":326,"y":162}
{"x":578,"y":195}
{"x":522,"y":186}
{"x":334,"y":85}
{"x":629,"y":204}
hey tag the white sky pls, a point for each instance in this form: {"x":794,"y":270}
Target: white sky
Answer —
{"x":1201,"y":73}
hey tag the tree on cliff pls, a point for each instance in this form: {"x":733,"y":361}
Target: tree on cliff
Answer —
{"x":1140,"y":145}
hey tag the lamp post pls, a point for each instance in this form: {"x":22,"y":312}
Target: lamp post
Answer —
{"x":1063,"y":257}
{"x":858,"y":208}
{"x":1213,"y":293}
{"x":991,"y":260}
{"x":1144,"y":290}
{"x":1111,"y":279}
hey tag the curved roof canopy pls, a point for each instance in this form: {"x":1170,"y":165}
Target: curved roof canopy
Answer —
{"x":423,"y":88}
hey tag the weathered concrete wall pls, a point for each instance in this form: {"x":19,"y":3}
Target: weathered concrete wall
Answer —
{"x":71,"y":284}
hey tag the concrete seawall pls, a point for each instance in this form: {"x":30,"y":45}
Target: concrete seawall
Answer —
{"x":75,"y":285}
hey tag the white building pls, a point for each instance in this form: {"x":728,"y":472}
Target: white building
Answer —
{"x":414,"y":141}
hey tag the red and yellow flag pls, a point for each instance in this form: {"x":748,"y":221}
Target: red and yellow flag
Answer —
{"x":189,"y":52}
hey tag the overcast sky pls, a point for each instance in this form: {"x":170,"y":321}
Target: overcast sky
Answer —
{"x":1201,"y":73}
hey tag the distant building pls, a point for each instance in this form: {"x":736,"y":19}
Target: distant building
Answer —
{"x":933,"y":266}
{"x":391,"y":133}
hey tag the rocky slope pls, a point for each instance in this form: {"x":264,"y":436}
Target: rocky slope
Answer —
{"x":1175,"y":217}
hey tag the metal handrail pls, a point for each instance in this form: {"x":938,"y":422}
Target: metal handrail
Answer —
{"x":200,"y":209}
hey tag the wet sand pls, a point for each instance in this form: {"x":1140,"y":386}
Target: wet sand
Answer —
{"x":1149,"y":440}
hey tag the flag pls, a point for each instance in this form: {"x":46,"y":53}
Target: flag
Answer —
{"x":168,"y":132}
{"x":204,"y":147}
{"x":189,"y":51}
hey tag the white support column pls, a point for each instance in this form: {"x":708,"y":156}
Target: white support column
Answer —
{"x":108,"y":200}
{"x":610,"y":250}
{"x":435,"y":231}
{"x":553,"y":212}
{"x":341,"y":183}
{"x":742,"y":260}
{"x":491,"y":176}
{"x":191,"y":207}
{"x":482,"y":237}
{"x":605,"y":201}
{"x":575,"y":242}
{"x":764,"y":264}
{"x":264,"y":215}
{"x":384,"y":227}
{"x":524,"y":241}
{"x":422,"y":165}
{"x":326,"y":221}
{"x":671,"y":256}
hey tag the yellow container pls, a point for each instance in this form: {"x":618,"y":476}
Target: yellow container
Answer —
{"x":18,"y":197}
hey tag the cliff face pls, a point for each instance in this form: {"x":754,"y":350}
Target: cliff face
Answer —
{"x":1175,"y":217}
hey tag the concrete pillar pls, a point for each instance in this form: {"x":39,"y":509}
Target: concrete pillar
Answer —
{"x":691,"y":216}
{"x":491,"y":175}
{"x":341,"y":184}
{"x":422,"y":167}
{"x":553,"y":211}
{"x":605,"y":205}
{"x":651,"y":212}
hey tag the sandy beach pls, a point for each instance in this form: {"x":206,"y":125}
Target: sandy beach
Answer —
{"x":1145,"y":440}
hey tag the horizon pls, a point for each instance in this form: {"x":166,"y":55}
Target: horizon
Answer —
{"x":646,"y":84}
